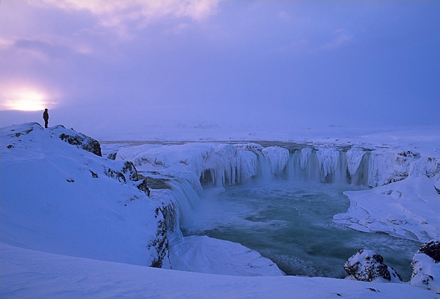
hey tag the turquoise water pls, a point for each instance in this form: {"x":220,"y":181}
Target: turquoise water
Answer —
{"x":292,"y":225}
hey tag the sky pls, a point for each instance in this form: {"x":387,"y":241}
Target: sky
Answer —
{"x":107,"y":67}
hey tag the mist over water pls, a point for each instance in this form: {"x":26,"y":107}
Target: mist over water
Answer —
{"x":291,"y":223}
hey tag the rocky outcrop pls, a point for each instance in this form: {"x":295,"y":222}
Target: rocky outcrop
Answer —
{"x":166,"y":216}
{"x":80,"y":140}
{"x":128,"y":173}
{"x":426,"y":267}
{"x":367,"y":265}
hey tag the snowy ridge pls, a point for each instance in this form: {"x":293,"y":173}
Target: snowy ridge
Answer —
{"x":51,"y":193}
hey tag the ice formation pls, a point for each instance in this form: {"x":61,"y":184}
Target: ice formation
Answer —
{"x":403,"y":201}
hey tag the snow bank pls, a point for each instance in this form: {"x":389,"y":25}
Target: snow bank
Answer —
{"x":407,"y":209}
{"x":207,"y":255}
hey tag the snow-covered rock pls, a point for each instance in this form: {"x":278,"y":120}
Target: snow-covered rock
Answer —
{"x":388,"y":165}
{"x":60,"y":198}
{"x":85,"y":142}
{"x":426,"y":267}
{"x":367,"y":265}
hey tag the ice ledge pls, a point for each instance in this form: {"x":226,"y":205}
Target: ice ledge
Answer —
{"x":407,"y":209}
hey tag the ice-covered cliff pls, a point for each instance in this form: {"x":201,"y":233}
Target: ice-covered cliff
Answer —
{"x":403,"y":201}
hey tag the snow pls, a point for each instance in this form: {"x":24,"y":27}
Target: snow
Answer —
{"x":207,"y":255}
{"x":35,"y":274}
{"x":66,"y":233}
{"x":407,"y":209}
{"x":425,"y":272}
{"x":49,"y":200}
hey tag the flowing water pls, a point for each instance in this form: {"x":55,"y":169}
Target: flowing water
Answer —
{"x":292,"y":225}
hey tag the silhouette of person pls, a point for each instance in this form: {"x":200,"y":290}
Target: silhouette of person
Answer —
{"x":46,"y":117}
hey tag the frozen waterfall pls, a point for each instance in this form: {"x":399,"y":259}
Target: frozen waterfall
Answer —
{"x":192,"y":167}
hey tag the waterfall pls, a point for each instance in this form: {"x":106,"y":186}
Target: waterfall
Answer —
{"x":187,"y":191}
{"x":232,"y":165}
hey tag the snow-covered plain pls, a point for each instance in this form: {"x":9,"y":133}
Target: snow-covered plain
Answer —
{"x":70,"y":227}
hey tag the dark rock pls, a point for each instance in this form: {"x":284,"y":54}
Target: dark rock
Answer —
{"x":167,"y":217}
{"x":431,"y":249}
{"x":131,"y":171}
{"x":366,"y":265}
{"x":115,"y":174}
{"x":426,"y":267}
{"x":112,"y":156}
{"x":128,"y":172}
{"x":82,"y":141}
{"x":144,"y":187}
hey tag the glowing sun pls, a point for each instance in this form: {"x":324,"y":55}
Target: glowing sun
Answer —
{"x":26,"y":100}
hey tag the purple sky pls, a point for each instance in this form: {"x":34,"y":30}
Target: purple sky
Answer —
{"x":119,"y":65}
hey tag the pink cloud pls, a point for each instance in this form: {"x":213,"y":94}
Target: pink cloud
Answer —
{"x":113,"y":13}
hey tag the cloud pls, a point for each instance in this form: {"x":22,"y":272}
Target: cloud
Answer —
{"x":122,"y":15}
{"x":339,"y":38}
{"x":6,"y":44}
{"x":284,"y":16}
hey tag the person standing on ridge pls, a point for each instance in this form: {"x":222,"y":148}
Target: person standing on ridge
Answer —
{"x":46,"y":117}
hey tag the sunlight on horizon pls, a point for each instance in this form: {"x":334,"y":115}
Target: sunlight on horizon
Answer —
{"x":25,"y":99}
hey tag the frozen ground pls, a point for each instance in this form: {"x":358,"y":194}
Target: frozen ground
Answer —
{"x":35,"y":274}
{"x":66,"y":234}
